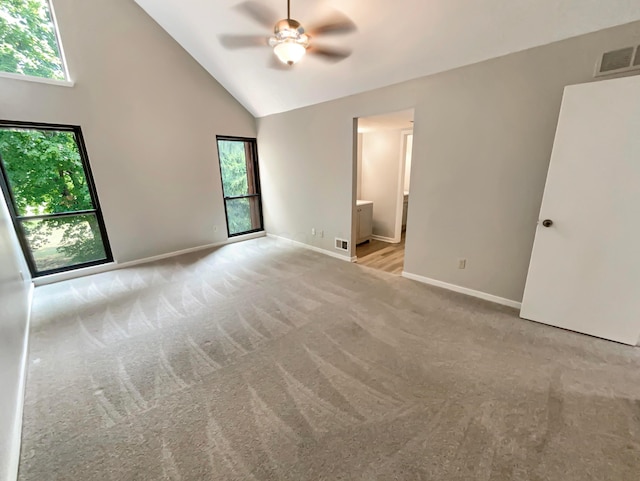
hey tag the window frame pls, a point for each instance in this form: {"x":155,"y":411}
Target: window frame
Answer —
{"x":66,"y":81}
{"x":18,"y":219}
{"x":254,"y":154}
{"x":56,"y":29}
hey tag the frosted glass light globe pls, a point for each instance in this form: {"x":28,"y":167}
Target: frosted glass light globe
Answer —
{"x":289,"y":51}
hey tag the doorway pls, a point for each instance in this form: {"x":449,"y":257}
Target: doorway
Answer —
{"x":240,"y":185}
{"x":383,"y":171}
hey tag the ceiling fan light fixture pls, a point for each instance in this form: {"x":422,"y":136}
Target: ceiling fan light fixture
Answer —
{"x":289,"y":51}
{"x":289,"y":40}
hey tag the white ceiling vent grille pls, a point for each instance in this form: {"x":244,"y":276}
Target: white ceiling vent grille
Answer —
{"x":342,"y":244}
{"x":619,"y":61}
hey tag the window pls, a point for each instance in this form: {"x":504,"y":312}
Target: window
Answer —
{"x":240,"y":184}
{"x":29,"y":43}
{"x":46,"y":180}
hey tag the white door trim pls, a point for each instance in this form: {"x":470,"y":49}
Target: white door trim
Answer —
{"x":404,"y":135}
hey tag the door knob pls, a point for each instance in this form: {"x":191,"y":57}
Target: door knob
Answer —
{"x":547,"y":222}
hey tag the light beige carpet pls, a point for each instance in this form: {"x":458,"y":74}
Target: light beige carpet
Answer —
{"x":260,"y":361}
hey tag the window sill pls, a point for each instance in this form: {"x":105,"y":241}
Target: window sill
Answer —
{"x":42,"y":80}
{"x":73,"y":274}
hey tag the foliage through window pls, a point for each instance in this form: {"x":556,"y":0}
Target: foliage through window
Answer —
{"x":240,"y":184}
{"x":48,"y":187}
{"x":28,"y":40}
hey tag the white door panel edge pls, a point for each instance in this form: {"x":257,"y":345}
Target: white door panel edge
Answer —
{"x":584,"y":273}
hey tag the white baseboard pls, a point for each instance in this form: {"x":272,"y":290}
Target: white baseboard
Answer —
{"x":463,"y":290}
{"x":230,"y":240}
{"x":389,"y":240}
{"x":16,"y":440}
{"x":65,"y":276}
{"x":313,"y":248}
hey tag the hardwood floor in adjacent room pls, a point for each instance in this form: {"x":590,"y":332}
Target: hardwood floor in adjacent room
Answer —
{"x":382,"y":255}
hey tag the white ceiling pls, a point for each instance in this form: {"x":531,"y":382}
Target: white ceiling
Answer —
{"x":396,"y":40}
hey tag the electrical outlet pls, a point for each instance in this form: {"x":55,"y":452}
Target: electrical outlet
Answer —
{"x":313,"y":231}
{"x":321,"y":234}
{"x":462,"y":263}
{"x":215,"y":228}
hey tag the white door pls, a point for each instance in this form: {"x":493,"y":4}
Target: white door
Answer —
{"x":585,"y":267}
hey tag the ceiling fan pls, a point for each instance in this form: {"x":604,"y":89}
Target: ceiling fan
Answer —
{"x":290,"y":41}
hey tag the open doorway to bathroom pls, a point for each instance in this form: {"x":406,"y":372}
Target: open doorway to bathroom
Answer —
{"x":384,"y":152}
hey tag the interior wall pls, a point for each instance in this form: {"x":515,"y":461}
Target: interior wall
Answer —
{"x":14,"y":308}
{"x":307,"y":173}
{"x":482,"y":141}
{"x":381,"y":152}
{"x":149,"y":114}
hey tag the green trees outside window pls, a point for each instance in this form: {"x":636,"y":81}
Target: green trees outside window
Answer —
{"x":240,"y":184}
{"x":233,"y":168}
{"x":51,"y":198}
{"x":28,"y":40}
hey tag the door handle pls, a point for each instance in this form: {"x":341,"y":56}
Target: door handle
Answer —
{"x":547,"y":222}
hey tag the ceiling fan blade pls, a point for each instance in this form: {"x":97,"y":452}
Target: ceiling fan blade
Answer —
{"x":330,"y":54}
{"x":338,"y":23}
{"x":259,"y":13}
{"x":276,"y":64}
{"x":243,"y":41}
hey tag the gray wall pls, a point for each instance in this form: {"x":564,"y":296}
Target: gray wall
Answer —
{"x":150,"y":115}
{"x":482,"y":141}
{"x":381,"y":152}
{"x":14,"y":293}
{"x":306,"y":167}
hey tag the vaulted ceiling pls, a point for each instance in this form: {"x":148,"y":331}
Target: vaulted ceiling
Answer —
{"x":395,"y":40}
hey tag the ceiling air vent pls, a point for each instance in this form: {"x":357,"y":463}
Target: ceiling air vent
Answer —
{"x":619,"y":61}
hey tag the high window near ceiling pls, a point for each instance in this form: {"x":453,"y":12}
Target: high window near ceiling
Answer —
{"x":47,"y":183}
{"x":240,"y":184}
{"x":29,"y":41}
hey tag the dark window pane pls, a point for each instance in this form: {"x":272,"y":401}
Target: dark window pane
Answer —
{"x":243,"y":215}
{"x":233,"y":165}
{"x":44,"y":171}
{"x":28,"y":41}
{"x":64,"y":241}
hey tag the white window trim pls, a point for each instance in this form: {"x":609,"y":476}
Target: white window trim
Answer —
{"x":67,"y":82}
{"x":42,"y":80}
{"x":63,"y":58}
